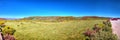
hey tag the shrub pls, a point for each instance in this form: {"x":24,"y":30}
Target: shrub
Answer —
{"x":103,"y":35}
{"x":9,"y":30}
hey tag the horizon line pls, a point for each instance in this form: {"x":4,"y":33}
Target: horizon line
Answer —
{"x":56,"y":16}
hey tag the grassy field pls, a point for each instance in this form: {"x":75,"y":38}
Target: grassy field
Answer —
{"x":72,"y":30}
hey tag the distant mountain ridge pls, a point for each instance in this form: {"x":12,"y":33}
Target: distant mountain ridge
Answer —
{"x":8,"y":18}
{"x":63,"y":18}
{"x":57,"y":18}
{"x":2,"y":19}
{"x":11,"y":18}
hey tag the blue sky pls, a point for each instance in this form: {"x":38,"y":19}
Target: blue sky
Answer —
{"x":25,"y":8}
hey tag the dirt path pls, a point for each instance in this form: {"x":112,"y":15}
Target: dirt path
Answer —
{"x":116,"y":27}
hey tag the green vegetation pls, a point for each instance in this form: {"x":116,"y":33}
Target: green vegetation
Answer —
{"x":105,"y":33}
{"x":33,"y":30}
{"x":9,"y":30}
{"x":61,"y":28}
{"x":101,"y":32}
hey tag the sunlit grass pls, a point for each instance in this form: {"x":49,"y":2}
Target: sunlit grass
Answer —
{"x":51,"y":30}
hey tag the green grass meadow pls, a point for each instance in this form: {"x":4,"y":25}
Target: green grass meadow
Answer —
{"x":38,"y":30}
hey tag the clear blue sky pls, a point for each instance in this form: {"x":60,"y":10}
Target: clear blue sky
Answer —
{"x":25,"y":8}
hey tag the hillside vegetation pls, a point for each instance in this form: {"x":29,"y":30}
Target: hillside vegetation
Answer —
{"x":63,"y":18}
{"x":73,"y":29}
